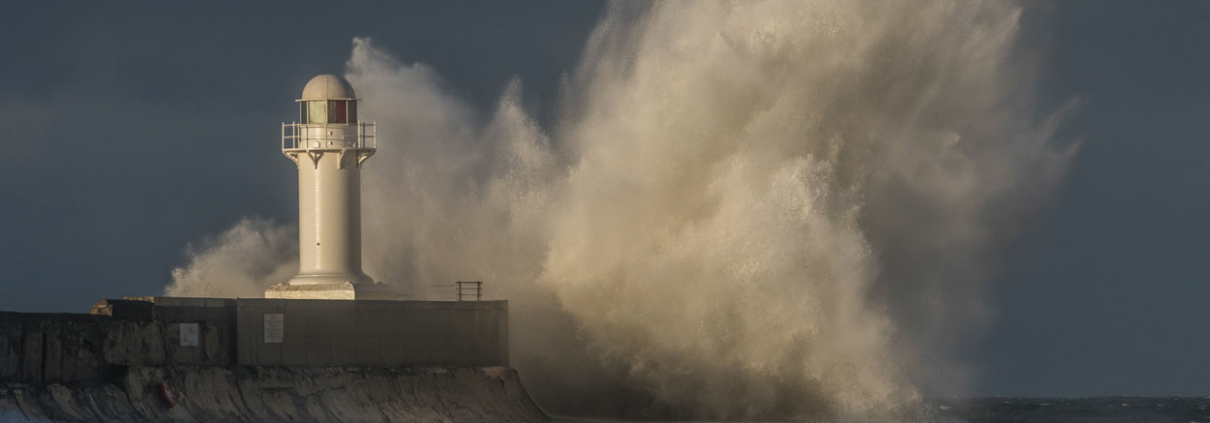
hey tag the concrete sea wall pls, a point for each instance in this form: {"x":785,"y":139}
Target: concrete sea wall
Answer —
{"x":375,"y":333}
{"x":260,"y":360}
{"x":283,"y":394}
{"x":84,"y":348}
{"x":37,"y":347}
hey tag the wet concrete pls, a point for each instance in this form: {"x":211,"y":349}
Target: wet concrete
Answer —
{"x":282,"y":394}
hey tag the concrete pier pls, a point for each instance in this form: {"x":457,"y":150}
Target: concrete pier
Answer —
{"x":263,"y":360}
{"x":283,"y":394}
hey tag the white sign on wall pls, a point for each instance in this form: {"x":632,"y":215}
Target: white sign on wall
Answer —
{"x":189,"y":334}
{"x":274,"y":328}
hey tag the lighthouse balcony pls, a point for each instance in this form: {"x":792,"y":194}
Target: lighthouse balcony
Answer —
{"x":303,"y":138}
{"x":313,"y":140}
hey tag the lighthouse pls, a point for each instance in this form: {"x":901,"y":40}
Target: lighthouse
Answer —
{"x":329,"y":145}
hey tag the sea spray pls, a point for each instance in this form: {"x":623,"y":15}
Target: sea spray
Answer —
{"x":240,"y":262}
{"x":742,"y":210}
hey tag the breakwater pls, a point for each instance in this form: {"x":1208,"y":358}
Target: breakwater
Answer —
{"x":163,"y":359}
{"x":282,"y":394}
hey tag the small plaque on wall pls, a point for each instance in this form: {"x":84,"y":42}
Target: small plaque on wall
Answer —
{"x":274,"y":328}
{"x":189,"y":336}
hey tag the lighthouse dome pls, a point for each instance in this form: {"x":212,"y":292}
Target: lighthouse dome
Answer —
{"x":328,"y":87}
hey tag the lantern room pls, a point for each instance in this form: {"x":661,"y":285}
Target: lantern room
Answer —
{"x":327,"y":99}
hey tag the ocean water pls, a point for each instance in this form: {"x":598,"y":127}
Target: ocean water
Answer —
{"x":1013,"y":410}
{"x":1049,"y":410}
{"x":1067,"y":410}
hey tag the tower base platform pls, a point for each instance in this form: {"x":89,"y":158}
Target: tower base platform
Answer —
{"x":333,"y":291}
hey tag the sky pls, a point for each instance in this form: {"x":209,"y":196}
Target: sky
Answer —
{"x":128,"y":132}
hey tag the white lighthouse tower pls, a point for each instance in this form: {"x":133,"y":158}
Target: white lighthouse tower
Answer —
{"x":329,"y":145}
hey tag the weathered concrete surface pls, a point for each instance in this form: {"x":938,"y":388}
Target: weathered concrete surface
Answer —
{"x":69,"y":348}
{"x":319,"y":361}
{"x":284,"y":394}
{"x":373,"y":333}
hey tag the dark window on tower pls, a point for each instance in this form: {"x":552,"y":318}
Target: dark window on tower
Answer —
{"x":327,"y":111}
{"x":337,"y":111}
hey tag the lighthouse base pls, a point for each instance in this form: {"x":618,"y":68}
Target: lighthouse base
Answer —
{"x":336,"y":291}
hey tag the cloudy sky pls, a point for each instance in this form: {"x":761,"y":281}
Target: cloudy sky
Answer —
{"x":128,"y":132}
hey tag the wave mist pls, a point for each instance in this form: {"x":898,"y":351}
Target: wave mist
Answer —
{"x":742,"y":210}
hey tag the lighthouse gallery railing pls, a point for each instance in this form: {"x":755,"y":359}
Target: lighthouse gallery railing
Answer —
{"x":311,"y":139}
